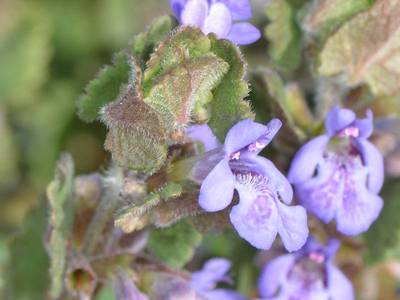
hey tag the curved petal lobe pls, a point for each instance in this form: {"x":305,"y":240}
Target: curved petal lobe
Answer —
{"x":306,"y":159}
{"x":244,"y":33}
{"x":247,"y":132}
{"x":177,"y":7}
{"x":373,"y":159}
{"x":322,"y":194}
{"x":338,"y":119}
{"x":194,"y":13}
{"x":218,"y":21}
{"x":340,"y":287}
{"x":240,"y":9}
{"x":273,"y":274}
{"x":293,"y":228}
{"x":216,"y":191}
{"x":359,"y":208}
{"x":204,"y":135}
{"x":255,"y":218}
{"x":365,"y":125}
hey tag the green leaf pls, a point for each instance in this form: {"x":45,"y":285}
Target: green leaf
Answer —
{"x":144,"y":43}
{"x":283,"y":34}
{"x":174,"y":245}
{"x":60,"y":196}
{"x":27,"y":272}
{"x":383,"y":238}
{"x":325,"y":16}
{"x":8,"y":155}
{"x":184,"y":43}
{"x":366,"y":49}
{"x":133,"y":217}
{"x":105,"y":88}
{"x":136,"y":137}
{"x":228,"y":106}
{"x":25,"y":53}
{"x":184,"y":89}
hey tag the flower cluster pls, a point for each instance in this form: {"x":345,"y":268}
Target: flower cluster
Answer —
{"x":219,"y":17}
{"x":263,"y":210}
{"x":338,"y":175}
{"x":308,"y":274}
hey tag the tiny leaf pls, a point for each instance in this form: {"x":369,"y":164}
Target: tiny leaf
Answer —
{"x":105,"y":87}
{"x":136,"y":138}
{"x":174,"y":245}
{"x":228,"y":106}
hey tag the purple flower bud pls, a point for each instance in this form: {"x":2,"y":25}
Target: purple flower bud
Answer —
{"x":264,"y":192}
{"x":308,"y":274}
{"x":338,"y":175}
{"x":201,"y":286}
{"x":125,"y":289}
{"x":218,"y":16}
{"x":204,"y":281}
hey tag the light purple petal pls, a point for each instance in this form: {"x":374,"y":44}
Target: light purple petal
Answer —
{"x":366,"y":125}
{"x":243,"y":33}
{"x":255,"y":218}
{"x":222,"y":294}
{"x":279,"y":182}
{"x":274,"y":273}
{"x":194,"y":13}
{"x":240,"y":9}
{"x":218,"y":21}
{"x":373,"y":159}
{"x":204,"y":135}
{"x":177,"y":7}
{"x":293,"y":228}
{"x":340,"y":287}
{"x":216,"y":191}
{"x":359,"y":208}
{"x":246,"y":132}
{"x":214,"y":270}
{"x":338,"y":119}
{"x":306,"y":159}
{"x":322,"y":194}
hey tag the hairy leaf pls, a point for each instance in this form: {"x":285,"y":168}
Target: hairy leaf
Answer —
{"x":132,"y":217}
{"x":284,"y":34}
{"x":366,"y":49}
{"x":174,"y":245}
{"x":228,"y":106}
{"x":184,"y":43}
{"x":136,"y":138}
{"x":383,"y":238}
{"x":105,"y":88}
{"x":182,"y":89}
{"x":60,"y":196}
{"x":144,"y":43}
{"x":325,"y":16}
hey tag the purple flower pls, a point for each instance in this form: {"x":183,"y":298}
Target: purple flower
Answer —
{"x":264,"y":192}
{"x":218,"y":16}
{"x":338,"y":175}
{"x":205,"y":281}
{"x":308,"y":274}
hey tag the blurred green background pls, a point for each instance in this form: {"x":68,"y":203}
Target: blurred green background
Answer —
{"x":49,"y":50}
